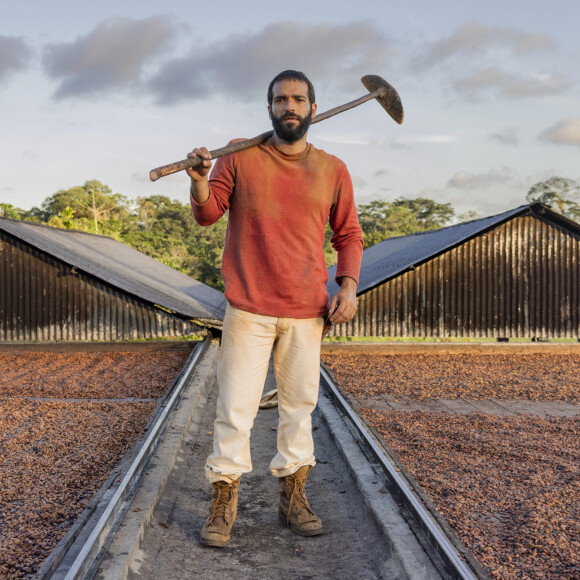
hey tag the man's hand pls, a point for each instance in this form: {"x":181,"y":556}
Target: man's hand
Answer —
{"x":343,"y":304}
{"x":199,"y":185}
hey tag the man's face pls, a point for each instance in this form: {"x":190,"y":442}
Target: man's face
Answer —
{"x":291,"y":111}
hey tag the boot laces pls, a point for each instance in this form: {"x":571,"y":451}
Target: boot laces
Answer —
{"x":298,"y":494}
{"x":219,"y":504}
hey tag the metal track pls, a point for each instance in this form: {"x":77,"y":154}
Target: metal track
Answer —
{"x":436,"y":537}
{"x":86,"y":562}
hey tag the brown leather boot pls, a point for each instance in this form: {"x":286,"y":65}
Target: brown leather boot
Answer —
{"x":222,"y":514}
{"x":294,"y":508}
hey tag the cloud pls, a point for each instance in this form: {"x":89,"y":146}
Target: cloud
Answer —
{"x":397,"y":145}
{"x":112,"y":56}
{"x":437,"y":139}
{"x":480,"y":60}
{"x":476,"y":39}
{"x":141,"y":177}
{"x":350,"y":139}
{"x":15,"y":55}
{"x":242,"y":64}
{"x":566,"y":132}
{"x":511,"y":86}
{"x":370,"y":197}
{"x":380,"y":172}
{"x":506,"y":137}
{"x":358,"y":182}
{"x":469,"y":181}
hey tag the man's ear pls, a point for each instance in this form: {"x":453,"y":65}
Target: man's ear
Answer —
{"x":270,"y":112}
{"x":314,"y":108}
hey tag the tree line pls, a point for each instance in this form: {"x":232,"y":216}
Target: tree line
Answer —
{"x":165,"y":229}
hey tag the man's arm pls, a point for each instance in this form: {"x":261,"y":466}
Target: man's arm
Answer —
{"x":343,"y":304}
{"x":348,"y":242}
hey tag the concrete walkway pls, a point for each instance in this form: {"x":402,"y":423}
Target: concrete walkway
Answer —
{"x":353,"y":545}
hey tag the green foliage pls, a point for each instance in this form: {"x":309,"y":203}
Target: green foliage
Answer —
{"x":330,"y":256}
{"x":166,"y":230}
{"x":560,"y":192}
{"x":380,"y":220}
{"x":94,"y":208}
{"x":429,"y":214}
{"x":467,"y":216}
{"x":9,"y":211}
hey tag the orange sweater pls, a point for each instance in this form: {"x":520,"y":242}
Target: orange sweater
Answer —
{"x":273,"y":261}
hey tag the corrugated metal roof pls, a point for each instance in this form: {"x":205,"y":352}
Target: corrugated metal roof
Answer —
{"x":124,"y":268}
{"x":394,"y":256}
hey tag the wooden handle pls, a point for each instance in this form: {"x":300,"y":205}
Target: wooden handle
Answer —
{"x":155,"y":174}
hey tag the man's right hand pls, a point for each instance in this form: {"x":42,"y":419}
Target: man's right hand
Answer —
{"x":199,"y":172}
{"x":199,"y":185}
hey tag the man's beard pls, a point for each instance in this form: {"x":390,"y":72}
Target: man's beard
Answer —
{"x":288,"y":133}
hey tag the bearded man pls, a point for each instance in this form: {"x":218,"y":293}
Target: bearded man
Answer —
{"x":280,"y":195}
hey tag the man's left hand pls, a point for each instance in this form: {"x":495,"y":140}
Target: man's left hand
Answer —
{"x":343,"y":304}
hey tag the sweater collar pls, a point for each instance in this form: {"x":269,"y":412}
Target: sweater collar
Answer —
{"x":277,"y":151}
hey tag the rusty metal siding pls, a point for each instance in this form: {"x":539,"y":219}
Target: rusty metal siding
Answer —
{"x":44,"y":299}
{"x":521,"y":279}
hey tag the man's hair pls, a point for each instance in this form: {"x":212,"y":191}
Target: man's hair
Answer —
{"x":294,"y":75}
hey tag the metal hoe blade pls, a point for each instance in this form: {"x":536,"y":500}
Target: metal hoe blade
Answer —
{"x":389,"y":98}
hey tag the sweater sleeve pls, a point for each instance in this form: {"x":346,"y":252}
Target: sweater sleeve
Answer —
{"x":221,"y":188}
{"x":347,"y":238}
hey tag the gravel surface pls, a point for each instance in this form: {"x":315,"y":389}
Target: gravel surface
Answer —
{"x":54,"y":455}
{"x":508,"y":486}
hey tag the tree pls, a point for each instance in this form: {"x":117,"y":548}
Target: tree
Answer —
{"x":65,"y":220}
{"x":559,"y":191}
{"x":428,"y":213}
{"x":383,"y":219}
{"x":330,"y":256}
{"x":467,"y":216}
{"x":92,"y":203}
{"x":9,"y":211}
{"x":165,"y":230}
{"x":146,"y":212}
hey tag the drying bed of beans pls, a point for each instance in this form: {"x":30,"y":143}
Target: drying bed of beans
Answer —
{"x":532,"y":377}
{"x":111,"y":375}
{"x":508,"y":486}
{"x":55,"y":455}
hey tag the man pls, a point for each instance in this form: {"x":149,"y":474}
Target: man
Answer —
{"x":279,"y":196}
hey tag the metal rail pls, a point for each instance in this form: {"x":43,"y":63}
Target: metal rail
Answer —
{"x":440,"y":541}
{"x":93,"y":548}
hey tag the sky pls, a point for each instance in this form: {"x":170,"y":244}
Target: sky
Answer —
{"x":109,"y":90}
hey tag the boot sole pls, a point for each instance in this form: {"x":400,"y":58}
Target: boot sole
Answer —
{"x":215,"y":544}
{"x":309,"y":534}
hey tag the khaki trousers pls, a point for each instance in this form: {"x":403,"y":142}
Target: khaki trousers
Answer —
{"x":246,"y":346}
